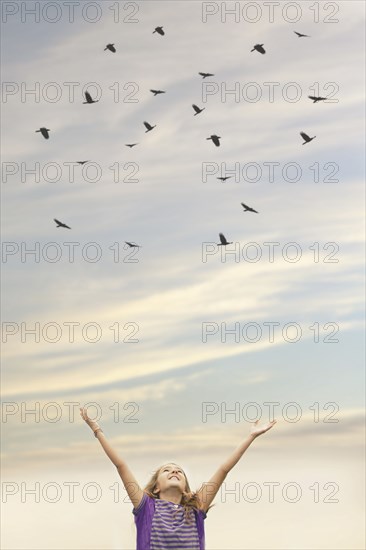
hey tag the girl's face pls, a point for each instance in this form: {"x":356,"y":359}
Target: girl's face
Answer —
{"x":170,"y":476}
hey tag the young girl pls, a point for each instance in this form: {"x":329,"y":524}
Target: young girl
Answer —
{"x":168,"y":515}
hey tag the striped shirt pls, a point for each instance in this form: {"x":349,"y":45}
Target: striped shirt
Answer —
{"x":161,"y":525}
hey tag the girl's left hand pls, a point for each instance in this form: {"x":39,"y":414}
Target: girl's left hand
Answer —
{"x":258,"y":430}
{"x":93,"y":425}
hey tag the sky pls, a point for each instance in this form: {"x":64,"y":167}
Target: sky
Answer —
{"x":179,"y":345}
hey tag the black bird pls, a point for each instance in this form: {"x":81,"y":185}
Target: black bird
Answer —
{"x":301,"y":35}
{"x":224,"y":178}
{"x":131,"y":145}
{"x":156,"y":92}
{"x":248,"y":208}
{"x":89,"y":99}
{"x":205,"y":75}
{"x":44,"y":132}
{"x":315,"y":98}
{"x":60,"y":224}
{"x":197,"y":109}
{"x":110,"y":47}
{"x":148,"y":126}
{"x":82,"y":161}
{"x":259,"y":48}
{"x":215,"y":139}
{"x":159,"y":30}
{"x":133,"y":245}
{"x":306,"y":137}
{"x":223,"y":240}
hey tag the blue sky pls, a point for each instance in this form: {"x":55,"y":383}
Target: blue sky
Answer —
{"x":168,"y":294}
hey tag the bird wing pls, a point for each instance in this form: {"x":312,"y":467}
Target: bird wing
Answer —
{"x":148,"y":126}
{"x":244,"y":205}
{"x":312,"y":97}
{"x":197,"y":109}
{"x":222,"y":238}
{"x":88,"y":97}
{"x":304,"y":136}
{"x":259,"y":48}
{"x":58,"y":222}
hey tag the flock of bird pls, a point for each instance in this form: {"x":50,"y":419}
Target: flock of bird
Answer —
{"x":61,"y":224}
{"x":197,"y":110}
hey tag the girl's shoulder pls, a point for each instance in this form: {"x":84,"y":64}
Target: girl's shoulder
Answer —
{"x":146,"y":502}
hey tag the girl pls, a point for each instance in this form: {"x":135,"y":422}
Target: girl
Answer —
{"x":168,"y":515}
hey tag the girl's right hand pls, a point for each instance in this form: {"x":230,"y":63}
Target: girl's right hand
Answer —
{"x":90,"y":422}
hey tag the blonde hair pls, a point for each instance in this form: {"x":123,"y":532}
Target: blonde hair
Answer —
{"x":190,"y":500}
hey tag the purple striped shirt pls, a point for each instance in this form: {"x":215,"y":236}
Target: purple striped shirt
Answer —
{"x":161,"y":525}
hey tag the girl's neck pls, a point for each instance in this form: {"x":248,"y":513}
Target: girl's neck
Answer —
{"x":171,"y":496}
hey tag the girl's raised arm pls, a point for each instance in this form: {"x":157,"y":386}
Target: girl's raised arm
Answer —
{"x":209,"y":489}
{"x":132,"y":487}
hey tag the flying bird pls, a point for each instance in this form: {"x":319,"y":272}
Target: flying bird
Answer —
{"x":197,"y":109}
{"x":248,"y":208}
{"x":89,"y":99}
{"x":316,"y":98}
{"x":159,"y":30}
{"x":110,"y":47}
{"x":205,"y":75}
{"x":133,"y":245}
{"x":148,"y":127}
{"x":224,"y":178}
{"x":306,"y":137}
{"x":223,"y":240}
{"x":131,"y":145}
{"x":259,"y":48}
{"x":215,"y":139}
{"x":156,"y":92}
{"x":301,"y":35}
{"x":82,"y":161}
{"x":60,"y":224}
{"x":44,"y":132}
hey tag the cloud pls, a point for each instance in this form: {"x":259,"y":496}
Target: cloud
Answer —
{"x":209,"y":440}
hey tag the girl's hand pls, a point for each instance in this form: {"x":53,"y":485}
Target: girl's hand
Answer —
{"x":90,"y":422}
{"x":258,"y":430}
